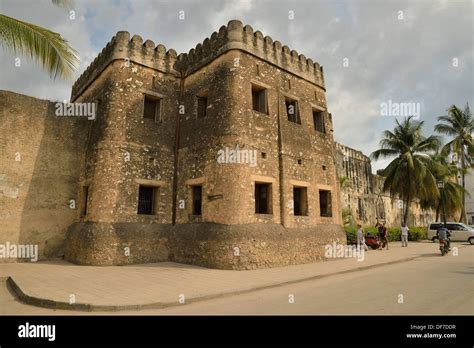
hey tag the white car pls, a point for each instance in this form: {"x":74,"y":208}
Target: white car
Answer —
{"x":459,"y":232}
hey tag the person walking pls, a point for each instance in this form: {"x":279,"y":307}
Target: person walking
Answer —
{"x":360,"y":238}
{"x":405,"y":231}
{"x":383,"y":236}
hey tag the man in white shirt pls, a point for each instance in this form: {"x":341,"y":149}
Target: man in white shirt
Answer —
{"x":405,"y":235}
{"x":360,"y":238}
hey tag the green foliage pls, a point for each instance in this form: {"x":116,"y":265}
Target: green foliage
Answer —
{"x":459,"y":125}
{"x":408,"y":175}
{"x":418,"y":233}
{"x":351,"y":233}
{"x":43,"y":45}
{"x":344,"y":181}
{"x":347,"y":218}
{"x":393,"y":233}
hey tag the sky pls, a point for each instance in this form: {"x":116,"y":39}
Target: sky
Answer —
{"x":377,"y":55}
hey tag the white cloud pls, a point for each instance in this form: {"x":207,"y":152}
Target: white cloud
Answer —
{"x":401,"y":60}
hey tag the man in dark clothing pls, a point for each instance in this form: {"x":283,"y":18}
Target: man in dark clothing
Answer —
{"x":383,"y":236}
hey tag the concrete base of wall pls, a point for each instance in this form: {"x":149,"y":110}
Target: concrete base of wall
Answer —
{"x":237,"y":247}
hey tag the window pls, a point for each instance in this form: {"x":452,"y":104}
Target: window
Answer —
{"x":147,"y":200}
{"x":318,"y":119}
{"x":264,"y":155}
{"x":325,"y":203}
{"x":300,"y":200}
{"x":201,"y":106}
{"x":259,"y":99}
{"x":151,"y":108}
{"x":263,"y":199}
{"x":85,"y":197}
{"x":197,"y":200}
{"x":292,"y":110}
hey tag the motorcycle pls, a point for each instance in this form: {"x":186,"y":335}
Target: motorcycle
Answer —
{"x":372,"y":241}
{"x":443,"y":246}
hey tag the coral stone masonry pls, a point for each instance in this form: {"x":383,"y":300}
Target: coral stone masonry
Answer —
{"x":223,"y":157}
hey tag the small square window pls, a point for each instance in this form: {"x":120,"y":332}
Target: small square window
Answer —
{"x":318,"y":119}
{"x":264,"y":155}
{"x":259,"y":99}
{"x":292,"y":110}
{"x":151,"y":109}
{"x":201,"y":106}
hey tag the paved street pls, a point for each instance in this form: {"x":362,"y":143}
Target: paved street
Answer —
{"x":430,"y":284}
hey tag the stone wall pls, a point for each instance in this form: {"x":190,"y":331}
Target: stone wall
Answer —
{"x":238,"y":247}
{"x":110,"y":157}
{"x":362,"y":193}
{"x":250,"y":246}
{"x":40,"y":156}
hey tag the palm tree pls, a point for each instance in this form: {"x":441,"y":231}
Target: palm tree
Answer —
{"x":408,"y":175}
{"x":43,"y":45}
{"x":459,"y":124}
{"x":449,"y":199}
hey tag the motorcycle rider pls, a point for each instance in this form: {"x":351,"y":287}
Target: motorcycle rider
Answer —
{"x":443,"y":234}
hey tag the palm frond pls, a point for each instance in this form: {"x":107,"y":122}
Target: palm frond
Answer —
{"x":64,"y":3}
{"x":43,"y":45}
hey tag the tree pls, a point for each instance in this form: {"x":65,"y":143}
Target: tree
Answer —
{"x":449,"y":199}
{"x":408,"y":175}
{"x":44,"y":46}
{"x":459,"y":125}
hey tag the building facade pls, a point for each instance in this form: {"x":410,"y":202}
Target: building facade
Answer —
{"x":362,"y":193}
{"x":223,"y":157}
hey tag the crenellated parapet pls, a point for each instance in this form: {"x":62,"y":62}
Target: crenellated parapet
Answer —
{"x":234,"y":36}
{"x":127,"y":49}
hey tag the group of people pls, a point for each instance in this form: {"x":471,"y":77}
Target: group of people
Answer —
{"x":383,"y":236}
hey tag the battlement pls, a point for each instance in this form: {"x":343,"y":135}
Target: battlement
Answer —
{"x":351,"y":153}
{"x":121,"y":47}
{"x":230,"y":37}
{"x":236,"y":36}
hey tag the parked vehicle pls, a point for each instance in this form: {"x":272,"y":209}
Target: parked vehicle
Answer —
{"x":372,"y":241}
{"x":459,"y":232}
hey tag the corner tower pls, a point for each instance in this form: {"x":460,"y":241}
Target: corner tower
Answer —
{"x":233,"y":167}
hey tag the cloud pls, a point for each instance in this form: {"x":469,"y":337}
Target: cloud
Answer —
{"x":404,"y":60}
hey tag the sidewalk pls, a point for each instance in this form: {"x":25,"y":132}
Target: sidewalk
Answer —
{"x":159,"y":285}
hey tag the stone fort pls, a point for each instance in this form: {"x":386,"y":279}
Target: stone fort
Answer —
{"x":142,"y":181}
